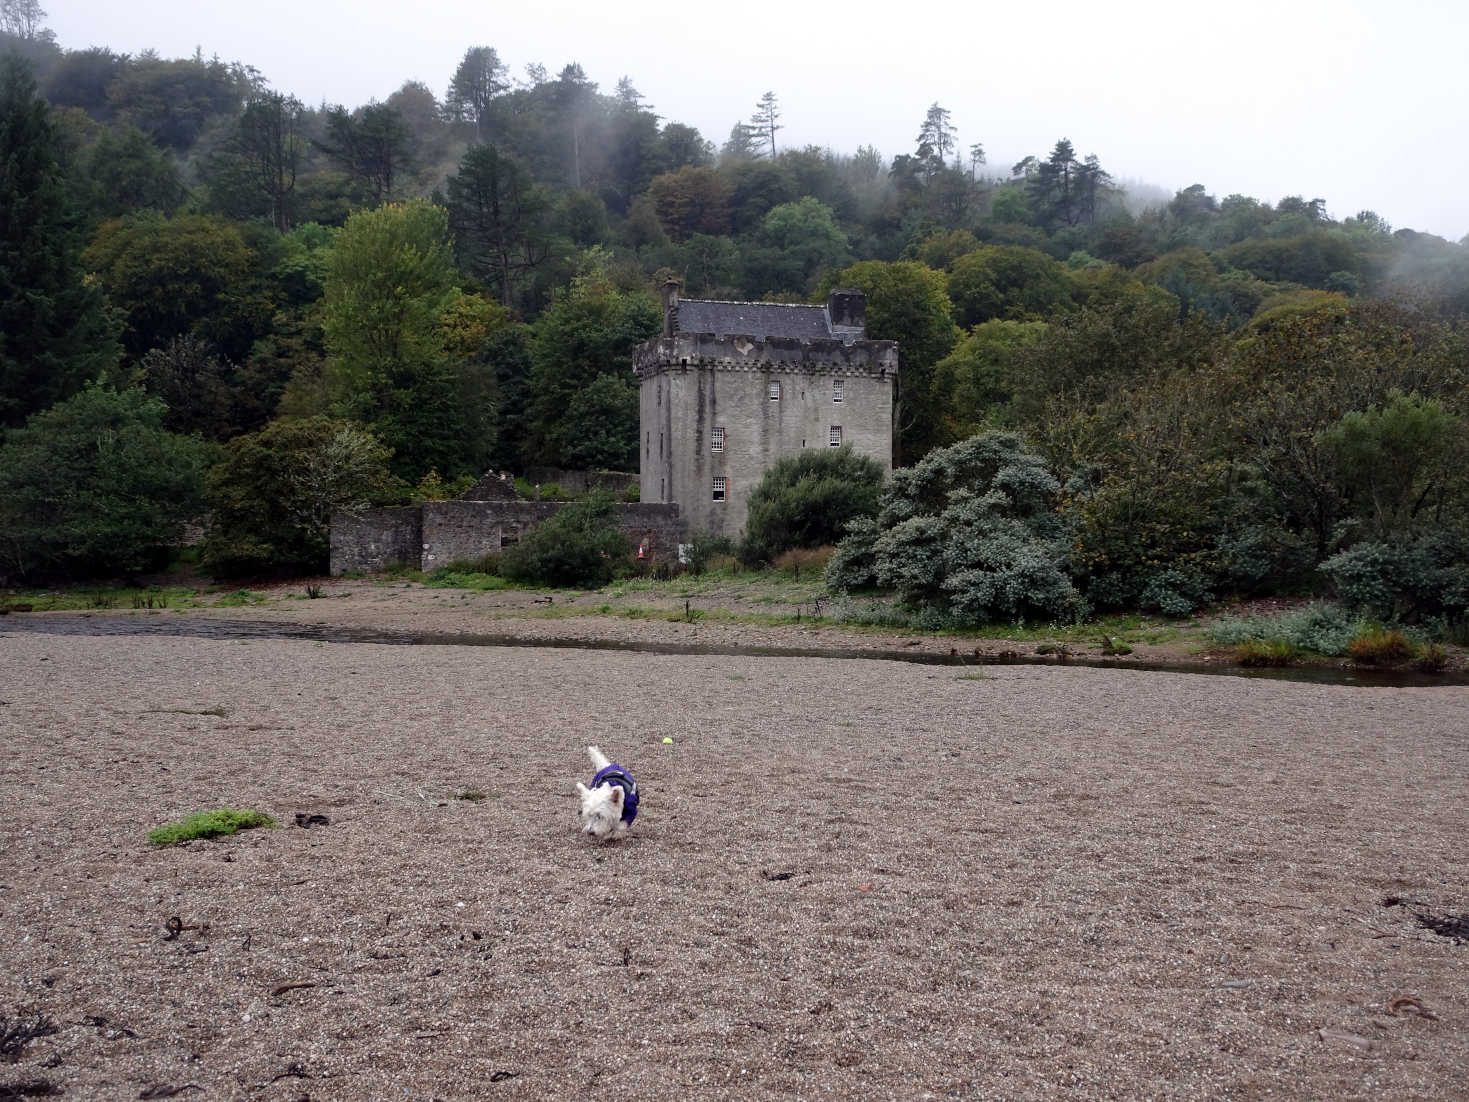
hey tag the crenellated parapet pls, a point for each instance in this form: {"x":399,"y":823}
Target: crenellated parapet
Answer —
{"x":734,"y":352}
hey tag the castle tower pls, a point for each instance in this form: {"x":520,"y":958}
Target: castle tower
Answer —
{"x":731,"y":387}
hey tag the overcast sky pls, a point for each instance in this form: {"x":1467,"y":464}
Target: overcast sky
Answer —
{"x":1358,"y":102}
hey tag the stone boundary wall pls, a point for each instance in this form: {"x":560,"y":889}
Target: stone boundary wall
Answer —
{"x":581,"y":482}
{"x":437,"y":533}
{"x":374,"y":538}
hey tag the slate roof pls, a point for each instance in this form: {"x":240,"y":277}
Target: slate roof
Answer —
{"x":753,"y":319}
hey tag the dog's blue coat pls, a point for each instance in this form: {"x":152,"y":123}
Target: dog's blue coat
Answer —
{"x":616,"y":774}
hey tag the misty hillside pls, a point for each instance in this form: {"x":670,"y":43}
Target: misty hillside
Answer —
{"x":1226,"y":394}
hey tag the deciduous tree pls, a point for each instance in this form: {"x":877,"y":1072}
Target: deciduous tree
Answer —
{"x":123,"y":171}
{"x":273,"y":493}
{"x":191,"y":274}
{"x":390,"y":277}
{"x":693,"y":200}
{"x":1010,"y":282}
{"x":96,"y":485}
{"x":587,"y":332}
{"x":802,"y":241}
{"x":22,"y":18}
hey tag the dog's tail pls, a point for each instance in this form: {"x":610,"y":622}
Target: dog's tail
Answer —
{"x":600,"y":760}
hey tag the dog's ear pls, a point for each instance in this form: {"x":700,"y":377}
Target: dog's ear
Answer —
{"x":616,"y":794}
{"x":583,"y":789}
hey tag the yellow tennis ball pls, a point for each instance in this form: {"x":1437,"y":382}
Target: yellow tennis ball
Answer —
{"x":669,"y":741}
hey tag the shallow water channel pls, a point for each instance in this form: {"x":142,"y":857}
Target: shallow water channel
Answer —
{"x":209,"y":628}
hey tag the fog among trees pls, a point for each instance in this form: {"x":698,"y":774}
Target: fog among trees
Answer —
{"x":1226,"y":393}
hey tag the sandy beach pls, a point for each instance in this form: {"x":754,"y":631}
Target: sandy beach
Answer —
{"x":849,"y":878}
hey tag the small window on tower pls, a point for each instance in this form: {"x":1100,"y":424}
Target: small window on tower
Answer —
{"x":716,"y":438}
{"x":721,"y":488}
{"x":836,"y":390}
{"x":835,"y":440}
{"x":775,"y":391}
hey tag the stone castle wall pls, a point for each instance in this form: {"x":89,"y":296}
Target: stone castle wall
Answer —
{"x":437,"y":533}
{"x":690,"y":349}
{"x":581,"y":482}
{"x":697,"y":390}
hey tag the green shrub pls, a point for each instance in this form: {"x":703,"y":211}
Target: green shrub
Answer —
{"x":1432,"y":659}
{"x":239,"y":598}
{"x":1276,"y":652}
{"x":854,"y":565}
{"x":1320,"y":628}
{"x":808,"y":500}
{"x":878,"y":614}
{"x":580,"y":545}
{"x":968,"y":535}
{"x":449,"y":578}
{"x":1380,"y":647}
{"x":1425,"y":578}
{"x":488,"y":563}
{"x":811,"y":561}
{"x":1389,"y":458}
{"x":1175,"y":592}
{"x":209,"y":824}
{"x":705,"y":549}
{"x":433,"y":487}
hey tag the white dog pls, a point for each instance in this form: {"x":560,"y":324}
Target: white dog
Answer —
{"x":610,"y":805}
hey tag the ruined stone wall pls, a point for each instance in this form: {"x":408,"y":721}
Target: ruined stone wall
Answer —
{"x":581,"y":482}
{"x":375,"y":539}
{"x":438,"y":533}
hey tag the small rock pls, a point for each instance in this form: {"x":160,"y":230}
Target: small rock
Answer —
{"x":1341,"y":1036}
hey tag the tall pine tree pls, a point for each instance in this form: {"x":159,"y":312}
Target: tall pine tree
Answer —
{"x":54,"y":335}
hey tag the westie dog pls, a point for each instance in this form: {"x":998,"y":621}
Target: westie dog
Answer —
{"x":610,"y":805}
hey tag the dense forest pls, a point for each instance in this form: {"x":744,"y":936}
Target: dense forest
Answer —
{"x":214,"y":296}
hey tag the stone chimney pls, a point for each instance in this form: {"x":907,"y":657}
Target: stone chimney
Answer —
{"x":670,"y":305}
{"x":848,"y":310}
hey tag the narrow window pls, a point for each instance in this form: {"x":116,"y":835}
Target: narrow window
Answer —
{"x":775,"y":390}
{"x":835,"y":440}
{"x":836,"y":390}
{"x":660,"y":393}
{"x":716,"y":438}
{"x":660,"y":445}
{"x":662,"y":493}
{"x":721,"y":487}
{"x":647,"y":443}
